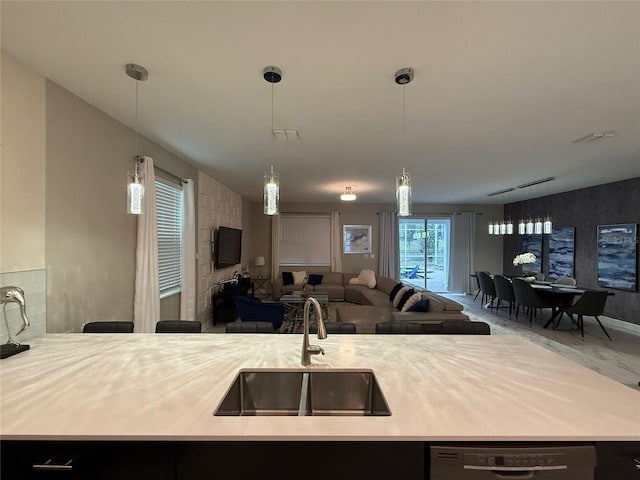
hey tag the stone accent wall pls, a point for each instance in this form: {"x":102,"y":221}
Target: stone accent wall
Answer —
{"x":34,"y":284}
{"x":217,"y":205}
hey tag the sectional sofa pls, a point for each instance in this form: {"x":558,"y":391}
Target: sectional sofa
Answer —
{"x":366,"y":306}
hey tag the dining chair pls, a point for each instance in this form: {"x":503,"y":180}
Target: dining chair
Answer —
{"x":528,"y":298}
{"x":178,"y":326}
{"x":478,"y":284}
{"x":504,"y":292}
{"x":566,"y":281}
{"x":591,"y":303}
{"x":334,"y":327}
{"x":108,"y":327}
{"x":487,"y":287}
{"x":249,"y":327}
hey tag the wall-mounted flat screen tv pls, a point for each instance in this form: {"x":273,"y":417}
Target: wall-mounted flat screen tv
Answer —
{"x":228,"y":247}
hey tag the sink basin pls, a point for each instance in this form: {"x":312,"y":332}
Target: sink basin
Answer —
{"x":304,"y":393}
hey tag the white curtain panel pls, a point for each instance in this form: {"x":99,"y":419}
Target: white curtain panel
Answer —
{"x":275,"y":247}
{"x":146,"y":302}
{"x":388,"y":253}
{"x":336,"y":243}
{"x":188,"y":287}
{"x":463,"y":246}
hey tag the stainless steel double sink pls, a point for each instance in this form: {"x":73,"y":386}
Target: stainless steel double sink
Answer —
{"x":332,"y":392}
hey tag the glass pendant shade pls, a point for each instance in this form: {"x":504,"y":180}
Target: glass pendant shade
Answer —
{"x":547,"y":226}
{"x":135,"y":192}
{"x":271,"y":193}
{"x":403,"y":193}
{"x":521,"y":227}
{"x":503,"y":228}
{"x":490,"y":228}
{"x":529,"y":227}
{"x":537,"y":227}
{"x":509,"y":227}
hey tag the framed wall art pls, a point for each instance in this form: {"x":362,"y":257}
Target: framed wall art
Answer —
{"x":617,"y":256}
{"x":562,"y":252}
{"x":356,"y":238}
{"x":533,"y":244}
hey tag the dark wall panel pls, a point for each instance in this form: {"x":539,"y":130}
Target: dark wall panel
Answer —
{"x":583,"y":209}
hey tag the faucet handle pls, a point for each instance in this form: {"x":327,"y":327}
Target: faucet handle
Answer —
{"x":315,"y":350}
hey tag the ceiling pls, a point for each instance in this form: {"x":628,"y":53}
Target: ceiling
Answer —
{"x":501,"y":89}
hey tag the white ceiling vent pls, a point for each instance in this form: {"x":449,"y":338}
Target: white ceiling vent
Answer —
{"x":286,"y":134}
{"x":592,"y":137}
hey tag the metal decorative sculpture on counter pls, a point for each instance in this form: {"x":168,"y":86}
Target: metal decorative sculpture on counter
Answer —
{"x":13,"y":295}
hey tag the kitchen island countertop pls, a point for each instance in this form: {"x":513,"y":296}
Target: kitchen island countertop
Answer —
{"x":438,"y":387}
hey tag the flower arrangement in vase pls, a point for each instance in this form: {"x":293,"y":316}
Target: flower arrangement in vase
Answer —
{"x":525,"y":259}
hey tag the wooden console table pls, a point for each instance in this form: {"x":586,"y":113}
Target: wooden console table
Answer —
{"x":223,"y":306}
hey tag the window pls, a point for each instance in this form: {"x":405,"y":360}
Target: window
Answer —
{"x":424,"y":252}
{"x":305,"y":240}
{"x":169,"y":206}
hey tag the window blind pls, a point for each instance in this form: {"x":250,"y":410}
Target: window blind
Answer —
{"x":169,"y":212}
{"x":305,"y":240}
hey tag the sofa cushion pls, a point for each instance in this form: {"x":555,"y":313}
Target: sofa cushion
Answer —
{"x":411,"y":301}
{"x":448,"y":305}
{"x":333,"y":278}
{"x":287,"y":278}
{"x":394,"y":291}
{"x":405,"y":296}
{"x":298,"y":277}
{"x":367,"y":277}
{"x":315,"y":279}
{"x":385,"y":284}
{"x":419,"y":306}
{"x":399,"y":295}
{"x":435,"y":304}
{"x":335,"y":292}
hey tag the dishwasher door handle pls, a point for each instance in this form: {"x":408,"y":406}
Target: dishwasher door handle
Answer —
{"x":512,"y":473}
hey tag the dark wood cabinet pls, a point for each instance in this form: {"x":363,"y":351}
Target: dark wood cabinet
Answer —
{"x":278,"y":460}
{"x":223,"y":307}
{"x":26,"y":460}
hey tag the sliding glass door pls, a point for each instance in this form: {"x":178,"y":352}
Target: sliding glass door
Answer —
{"x":424,"y":252}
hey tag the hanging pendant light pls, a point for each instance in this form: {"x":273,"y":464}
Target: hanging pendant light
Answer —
{"x":135,"y":179}
{"x":403,"y":180}
{"x":529,"y":226}
{"x":537,"y":226}
{"x":522,"y":229}
{"x":403,"y":193}
{"x":271,"y":178}
{"x":271,"y":193}
{"x":547,"y":226}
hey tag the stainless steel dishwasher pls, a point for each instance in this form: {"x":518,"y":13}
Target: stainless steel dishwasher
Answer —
{"x":564,"y":462}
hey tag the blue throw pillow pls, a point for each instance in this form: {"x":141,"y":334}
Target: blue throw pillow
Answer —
{"x":394,"y":291}
{"x":405,"y":297}
{"x":287,"y":278}
{"x":315,"y":279}
{"x":420,"y":306}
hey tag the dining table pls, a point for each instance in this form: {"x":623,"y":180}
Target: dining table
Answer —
{"x":562,"y":295}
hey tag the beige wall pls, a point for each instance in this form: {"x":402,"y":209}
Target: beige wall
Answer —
{"x":488,"y":254}
{"x":91,"y":240}
{"x":22,"y":168}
